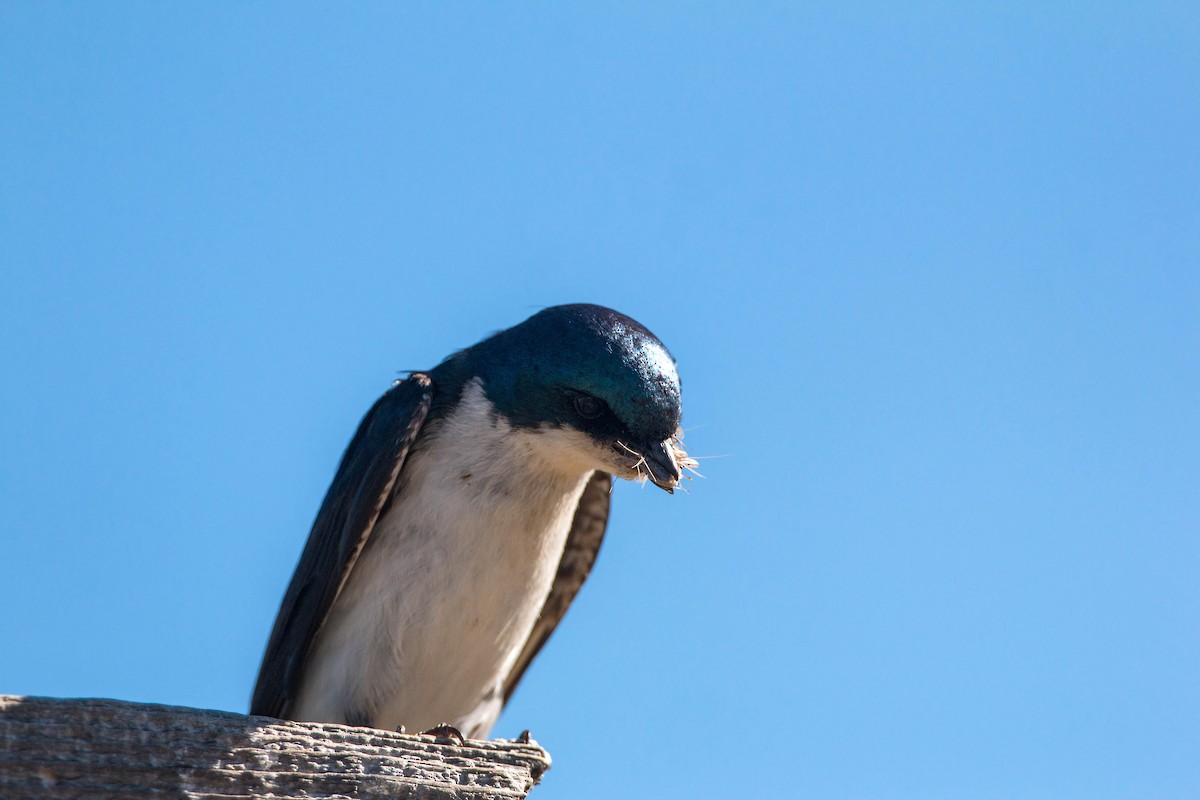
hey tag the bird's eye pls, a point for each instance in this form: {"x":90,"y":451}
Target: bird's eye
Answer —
{"x":588,"y":407}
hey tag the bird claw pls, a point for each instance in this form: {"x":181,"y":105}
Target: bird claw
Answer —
{"x":524,"y":737}
{"x":445,"y":731}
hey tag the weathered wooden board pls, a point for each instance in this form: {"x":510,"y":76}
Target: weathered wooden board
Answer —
{"x":73,"y":749}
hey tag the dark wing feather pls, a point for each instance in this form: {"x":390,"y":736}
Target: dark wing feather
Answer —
{"x":583,"y":545}
{"x":362,"y":487}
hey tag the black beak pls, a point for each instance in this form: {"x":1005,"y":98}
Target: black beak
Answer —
{"x":661,"y":464}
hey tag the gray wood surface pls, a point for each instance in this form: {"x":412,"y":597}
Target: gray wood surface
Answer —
{"x":57,"y":749}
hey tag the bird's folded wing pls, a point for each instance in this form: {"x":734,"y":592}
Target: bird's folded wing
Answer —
{"x":582,"y":547}
{"x":363,"y":486}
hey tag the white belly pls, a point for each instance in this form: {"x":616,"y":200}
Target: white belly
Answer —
{"x":447,"y":589}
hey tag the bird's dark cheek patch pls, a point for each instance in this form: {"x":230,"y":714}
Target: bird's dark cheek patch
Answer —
{"x":605,"y":431}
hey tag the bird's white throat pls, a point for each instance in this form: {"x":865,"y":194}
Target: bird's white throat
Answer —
{"x":450,"y":583}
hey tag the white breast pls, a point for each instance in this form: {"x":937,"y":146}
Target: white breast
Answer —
{"x":449,"y":585}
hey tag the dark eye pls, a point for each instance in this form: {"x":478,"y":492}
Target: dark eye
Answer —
{"x":588,"y":407}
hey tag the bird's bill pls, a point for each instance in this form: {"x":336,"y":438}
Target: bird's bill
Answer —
{"x":661,"y":464}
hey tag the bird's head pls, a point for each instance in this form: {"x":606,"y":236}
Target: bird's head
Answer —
{"x":601,"y":383}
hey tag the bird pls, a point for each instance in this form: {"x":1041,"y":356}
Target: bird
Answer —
{"x":465,"y":515}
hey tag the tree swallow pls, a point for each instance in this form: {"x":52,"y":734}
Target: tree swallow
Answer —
{"x":465,"y":515}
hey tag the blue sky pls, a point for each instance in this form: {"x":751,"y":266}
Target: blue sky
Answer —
{"x":930,"y":274}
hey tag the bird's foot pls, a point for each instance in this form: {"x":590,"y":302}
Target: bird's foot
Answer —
{"x":524,"y":737}
{"x":445,"y":731}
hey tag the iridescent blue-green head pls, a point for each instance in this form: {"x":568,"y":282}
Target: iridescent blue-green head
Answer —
{"x":588,"y":370}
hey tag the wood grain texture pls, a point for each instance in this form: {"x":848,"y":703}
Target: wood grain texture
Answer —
{"x":58,"y":749}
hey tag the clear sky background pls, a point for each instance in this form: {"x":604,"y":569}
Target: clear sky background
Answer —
{"x":931,"y":274}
